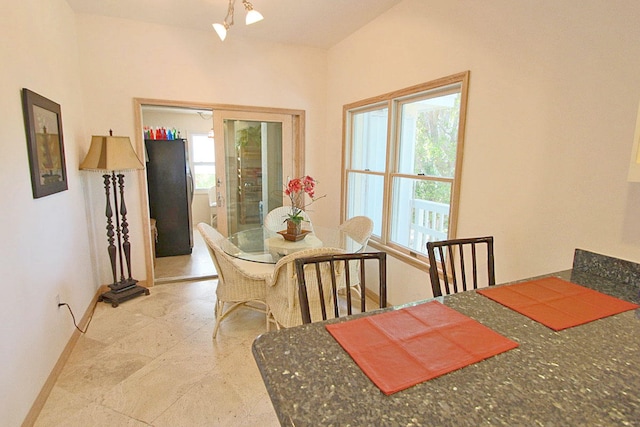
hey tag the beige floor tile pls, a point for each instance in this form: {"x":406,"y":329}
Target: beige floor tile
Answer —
{"x":60,"y":406}
{"x":152,"y":361}
{"x":192,"y":315}
{"x":154,"y":339}
{"x":197,"y":264}
{"x":231,"y":407}
{"x":110,"y":324}
{"x":85,"y":348}
{"x":189,"y":291}
{"x":91,"y":378}
{"x":150,"y":391}
{"x":156,"y":304}
{"x":94,"y":415}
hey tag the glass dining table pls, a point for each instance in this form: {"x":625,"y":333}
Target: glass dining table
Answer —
{"x":265,"y":246}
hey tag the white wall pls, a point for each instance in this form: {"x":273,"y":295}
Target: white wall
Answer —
{"x":45,"y":248}
{"x":553,"y":97}
{"x":122,"y":60}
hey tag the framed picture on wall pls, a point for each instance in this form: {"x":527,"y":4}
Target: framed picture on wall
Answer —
{"x":45,"y":144}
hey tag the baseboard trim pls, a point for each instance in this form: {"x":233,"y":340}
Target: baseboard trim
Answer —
{"x":369,"y":293}
{"x":38,"y":404}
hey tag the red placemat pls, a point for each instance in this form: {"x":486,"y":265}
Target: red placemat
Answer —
{"x":398,"y":349}
{"x":557,"y":303}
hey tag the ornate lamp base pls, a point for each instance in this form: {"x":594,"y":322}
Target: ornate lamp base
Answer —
{"x":127,"y":293}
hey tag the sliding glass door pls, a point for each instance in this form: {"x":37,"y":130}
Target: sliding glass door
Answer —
{"x":258,"y":154}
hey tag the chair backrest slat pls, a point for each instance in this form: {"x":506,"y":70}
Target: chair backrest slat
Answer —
{"x":363,"y":285}
{"x":347,"y":274}
{"x":448,"y":264}
{"x":338,"y":266}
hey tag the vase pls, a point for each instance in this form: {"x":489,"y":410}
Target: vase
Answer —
{"x":294,"y":227}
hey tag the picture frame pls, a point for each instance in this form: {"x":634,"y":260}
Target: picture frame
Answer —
{"x":45,"y":144}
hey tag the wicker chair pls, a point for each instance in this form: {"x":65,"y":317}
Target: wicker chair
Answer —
{"x":282,"y":289}
{"x":275,"y":219}
{"x":240,"y":283}
{"x":359,"y":228}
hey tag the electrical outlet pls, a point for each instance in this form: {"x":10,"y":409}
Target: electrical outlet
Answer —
{"x":58,"y":300}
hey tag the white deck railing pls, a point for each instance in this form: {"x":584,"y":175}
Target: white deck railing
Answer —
{"x":430,"y":222}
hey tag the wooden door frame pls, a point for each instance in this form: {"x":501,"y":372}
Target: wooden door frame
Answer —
{"x":298,"y":118}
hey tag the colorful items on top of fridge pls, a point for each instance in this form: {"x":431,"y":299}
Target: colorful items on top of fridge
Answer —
{"x":161,"y":133}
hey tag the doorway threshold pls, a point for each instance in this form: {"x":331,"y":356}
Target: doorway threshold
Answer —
{"x":173,"y":279}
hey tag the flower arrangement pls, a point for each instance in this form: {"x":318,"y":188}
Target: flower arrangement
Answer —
{"x":296,"y":189}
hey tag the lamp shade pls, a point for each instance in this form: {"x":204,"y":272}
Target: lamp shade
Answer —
{"x":221,"y":30}
{"x":253,"y":16}
{"x":111,"y":153}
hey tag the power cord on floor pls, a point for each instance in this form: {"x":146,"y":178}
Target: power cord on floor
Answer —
{"x":60,"y":304}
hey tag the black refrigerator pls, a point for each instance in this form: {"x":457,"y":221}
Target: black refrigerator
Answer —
{"x":170,"y":186}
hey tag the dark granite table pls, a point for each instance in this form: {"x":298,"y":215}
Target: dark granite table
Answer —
{"x":588,"y":375}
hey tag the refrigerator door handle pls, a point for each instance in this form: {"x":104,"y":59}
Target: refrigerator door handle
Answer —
{"x":190,"y":183}
{"x":190,"y":189}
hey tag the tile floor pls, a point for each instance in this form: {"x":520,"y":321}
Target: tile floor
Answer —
{"x":152,"y":361}
{"x":185,"y":267}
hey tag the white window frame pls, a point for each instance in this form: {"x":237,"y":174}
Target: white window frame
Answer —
{"x":392,"y":102}
{"x":195,"y":163}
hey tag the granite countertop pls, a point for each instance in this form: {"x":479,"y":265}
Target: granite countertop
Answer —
{"x":586,"y":375}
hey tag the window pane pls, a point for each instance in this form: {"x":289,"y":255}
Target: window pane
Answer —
{"x":204,"y":175}
{"x":203,"y":149}
{"x":420,"y":212}
{"x":365,"y":194}
{"x":369,"y":140}
{"x":429,"y":136}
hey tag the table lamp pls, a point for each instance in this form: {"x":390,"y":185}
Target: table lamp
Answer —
{"x":111,"y":154}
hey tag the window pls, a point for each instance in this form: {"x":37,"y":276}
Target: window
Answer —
{"x":204,"y":161}
{"x":403,"y":153}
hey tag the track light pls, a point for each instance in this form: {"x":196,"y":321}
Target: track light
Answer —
{"x":221,"y":29}
{"x":252,"y":17}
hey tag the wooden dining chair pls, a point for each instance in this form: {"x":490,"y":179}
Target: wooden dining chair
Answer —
{"x":319,"y":282}
{"x":453,"y":264}
{"x":282,"y":288}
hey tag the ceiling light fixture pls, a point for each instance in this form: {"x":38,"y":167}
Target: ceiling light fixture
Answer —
{"x":252,"y":17}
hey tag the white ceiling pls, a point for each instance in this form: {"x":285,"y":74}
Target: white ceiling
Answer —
{"x":317,"y":23}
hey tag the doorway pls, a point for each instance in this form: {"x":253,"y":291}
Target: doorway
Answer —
{"x":172,"y":136}
{"x":277,"y":153}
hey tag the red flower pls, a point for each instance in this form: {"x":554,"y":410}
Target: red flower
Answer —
{"x":296,"y":189}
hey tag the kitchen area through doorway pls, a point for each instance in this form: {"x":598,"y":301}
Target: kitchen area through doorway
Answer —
{"x":176,"y":205}
{"x":255,"y":148}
